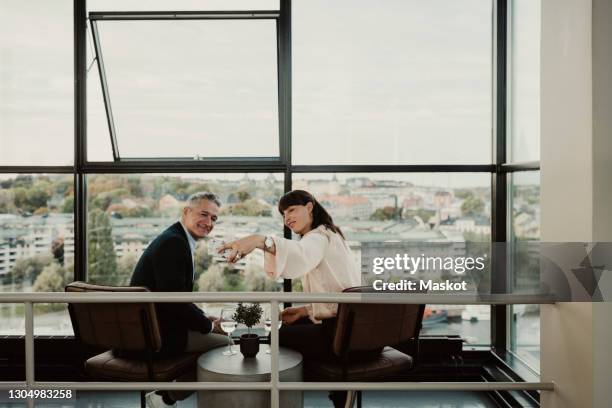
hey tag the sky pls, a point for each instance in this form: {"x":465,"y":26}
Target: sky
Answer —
{"x":394,"y":82}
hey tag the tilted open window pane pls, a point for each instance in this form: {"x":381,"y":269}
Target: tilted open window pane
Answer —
{"x":192,"y":88}
{"x":392,"y":82}
{"x":183,"y":5}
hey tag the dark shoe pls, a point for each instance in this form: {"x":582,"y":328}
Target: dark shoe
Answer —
{"x":166,"y":398}
{"x":338,"y":398}
{"x":159,"y":399}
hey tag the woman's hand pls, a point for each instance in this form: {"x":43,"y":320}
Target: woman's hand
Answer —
{"x":292,"y":314}
{"x":242,"y":247}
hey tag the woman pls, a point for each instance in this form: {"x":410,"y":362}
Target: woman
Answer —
{"x":321,"y":258}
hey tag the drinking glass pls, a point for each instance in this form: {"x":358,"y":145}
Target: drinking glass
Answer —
{"x":268,"y":323}
{"x":213,"y":248}
{"x":228,"y":325}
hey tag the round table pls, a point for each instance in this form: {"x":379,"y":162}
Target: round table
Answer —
{"x":214,"y":366}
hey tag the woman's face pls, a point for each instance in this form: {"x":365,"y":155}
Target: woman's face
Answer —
{"x":299,"y":218}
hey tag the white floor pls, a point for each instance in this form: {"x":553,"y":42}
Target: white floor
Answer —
{"x":372,"y":399}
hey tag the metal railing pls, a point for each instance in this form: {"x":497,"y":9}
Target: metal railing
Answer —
{"x":274,"y":298}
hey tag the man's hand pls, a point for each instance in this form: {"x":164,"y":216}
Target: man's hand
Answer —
{"x":292,"y":314}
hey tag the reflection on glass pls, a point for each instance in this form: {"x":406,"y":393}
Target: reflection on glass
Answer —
{"x":228,"y":325}
{"x":393,"y":82}
{"x":524,"y":227}
{"x":524,"y":81}
{"x":387,"y":208}
{"x":192,"y":88}
{"x":36,"y":247}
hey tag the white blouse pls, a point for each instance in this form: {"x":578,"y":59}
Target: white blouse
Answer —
{"x":324,"y":262}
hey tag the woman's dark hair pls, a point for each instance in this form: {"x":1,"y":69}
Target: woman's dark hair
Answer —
{"x":319,"y":215}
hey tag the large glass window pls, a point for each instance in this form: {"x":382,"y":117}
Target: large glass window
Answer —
{"x":394,"y":82}
{"x":36,"y":83}
{"x":36,"y":247}
{"x":525,"y":228}
{"x":126,"y":212}
{"x":416,"y":208}
{"x":190,"y":88}
{"x":524,"y":80}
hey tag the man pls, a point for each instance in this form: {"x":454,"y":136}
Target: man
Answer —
{"x":167,"y":265}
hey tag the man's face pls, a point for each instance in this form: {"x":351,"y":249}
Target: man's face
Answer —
{"x":200,"y":219}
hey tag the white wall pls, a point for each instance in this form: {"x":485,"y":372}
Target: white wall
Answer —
{"x":576,"y":188}
{"x":602,"y":192}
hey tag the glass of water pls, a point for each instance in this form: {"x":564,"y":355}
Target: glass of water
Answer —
{"x":228,"y":325}
{"x":213,"y":248}
{"x":268,"y":323}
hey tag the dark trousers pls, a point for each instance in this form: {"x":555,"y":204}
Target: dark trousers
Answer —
{"x":314,"y":341}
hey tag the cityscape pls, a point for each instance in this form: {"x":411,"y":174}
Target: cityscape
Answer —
{"x":125,"y":213}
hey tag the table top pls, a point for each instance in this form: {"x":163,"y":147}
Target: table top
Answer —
{"x":214,"y":361}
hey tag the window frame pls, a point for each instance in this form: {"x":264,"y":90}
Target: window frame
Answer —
{"x":499,"y":169}
{"x":95,"y":17}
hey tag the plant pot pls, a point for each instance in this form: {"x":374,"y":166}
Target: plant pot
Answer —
{"x":249,"y":345}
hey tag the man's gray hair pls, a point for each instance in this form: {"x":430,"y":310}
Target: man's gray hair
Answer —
{"x":195,"y":198}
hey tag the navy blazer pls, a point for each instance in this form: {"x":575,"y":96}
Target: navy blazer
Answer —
{"x":166,"y":266}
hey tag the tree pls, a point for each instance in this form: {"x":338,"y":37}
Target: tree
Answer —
{"x":101,"y":249}
{"x":463,"y":193}
{"x":472,"y":206}
{"x":51,"y":279}
{"x":28,"y":269}
{"x":64,"y":186}
{"x":255,"y":280}
{"x":6,"y":202}
{"x":233,"y":280}
{"x":203,"y":260}
{"x":134,"y":187}
{"x":251,"y":207}
{"x":36,"y":198}
{"x":196,"y":187}
{"x":68,"y":205}
{"x":243,"y":196}
{"x":385,"y":214}
{"x":24,"y":181}
{"x":125,"y":268}
{"x":213,"y":280}
{"x":100,"y":202}
{"x":20,"y":198}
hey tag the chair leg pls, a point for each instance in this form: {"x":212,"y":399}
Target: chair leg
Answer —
{"x":143,"y":402}
{"x":358,"y":399}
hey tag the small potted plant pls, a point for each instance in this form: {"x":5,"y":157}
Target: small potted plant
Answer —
{"x":248,"y":315}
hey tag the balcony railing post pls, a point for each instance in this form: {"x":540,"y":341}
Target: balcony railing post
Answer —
{"x":275,"y":398}
{"x":29,"y":348}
